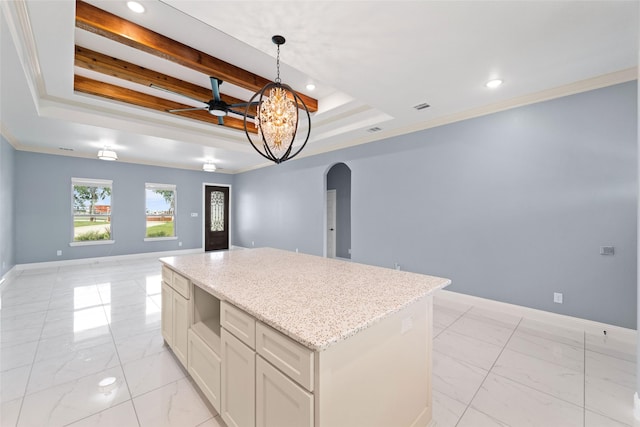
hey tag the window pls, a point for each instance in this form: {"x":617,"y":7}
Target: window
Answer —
{"x":161,"y":211}
{"x":91,"y":207}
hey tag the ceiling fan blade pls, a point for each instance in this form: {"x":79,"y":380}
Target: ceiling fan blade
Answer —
{"x":215,"y":88}
{"x":241,"y":114}
{"x":175,"y":93}
{"x":188,"y":109}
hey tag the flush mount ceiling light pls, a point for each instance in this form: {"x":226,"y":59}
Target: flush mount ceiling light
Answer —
{"x":311,"y":86}
{"x":136,"y":7}
{"x":107,"y":154}
{"x":492,"y":84}
{"x":277,"y":117}
{"x":209,"y":167}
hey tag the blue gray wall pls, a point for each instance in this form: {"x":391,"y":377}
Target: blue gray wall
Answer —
{"x":43,"y":206}
{"x":339,"y":179}
{"x":512,"y":206}
{"x":7,"y":211}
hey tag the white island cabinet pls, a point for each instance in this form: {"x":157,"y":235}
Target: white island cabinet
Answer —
{"x":278,"y":339}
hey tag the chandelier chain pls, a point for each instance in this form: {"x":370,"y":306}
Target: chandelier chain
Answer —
{"x":278,"y":66}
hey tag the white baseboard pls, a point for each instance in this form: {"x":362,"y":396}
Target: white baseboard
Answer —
{"x":636,"y":406}
{"x":540,"y":315}
{"x":96,"y":260}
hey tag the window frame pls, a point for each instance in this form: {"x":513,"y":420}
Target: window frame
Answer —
{"x":91,"y":182}
{"x":157,"y":186}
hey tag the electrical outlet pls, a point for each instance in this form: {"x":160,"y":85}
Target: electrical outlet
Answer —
{"x":349,"y":251}
{"x":607,"y":250}
{"x":557,"y":297}
{"x":397,"y":266}
{"x":179,"y":243}
{"x":194,"y":214}
{"x":59,"y":252}
{"x":253,"y":243}
{"x":296,"y":250}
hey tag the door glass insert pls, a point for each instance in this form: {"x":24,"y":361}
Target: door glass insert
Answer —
{"x":217,"y":211}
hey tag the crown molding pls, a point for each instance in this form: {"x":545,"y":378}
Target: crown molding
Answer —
{"x":9,"y":137}
{"x":21,"y":31}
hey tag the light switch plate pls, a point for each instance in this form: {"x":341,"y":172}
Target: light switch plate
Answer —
{"x":557,"y":297}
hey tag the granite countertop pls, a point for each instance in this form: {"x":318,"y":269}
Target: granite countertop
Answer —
{"x":314,"y":300}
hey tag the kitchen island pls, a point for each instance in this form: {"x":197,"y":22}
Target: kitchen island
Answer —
{"x":276,"y":338}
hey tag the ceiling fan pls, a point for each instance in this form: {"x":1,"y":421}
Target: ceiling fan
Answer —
{"x":215,"y":106}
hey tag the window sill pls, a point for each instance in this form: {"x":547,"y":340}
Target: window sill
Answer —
{"x":155,"y":239}
{"x":92,"y":243}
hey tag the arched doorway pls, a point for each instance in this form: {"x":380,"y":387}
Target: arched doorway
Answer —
{"x":338,"y":202}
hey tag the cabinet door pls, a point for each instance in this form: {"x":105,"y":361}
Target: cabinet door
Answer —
{"x":238,"y":386}
{"x":279,"y":401}
{"x":167,"y":314}
{"x":204,"y":367}
{"x":180,"y":327}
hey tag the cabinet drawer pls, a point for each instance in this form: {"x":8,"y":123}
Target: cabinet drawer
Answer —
{"x":279,"y":401}
{"x":204,"y":367}
{"x":289,"y":356}
{"x":181,"y":284}
{"x":167,"y":275}
{"x":238,"y":323}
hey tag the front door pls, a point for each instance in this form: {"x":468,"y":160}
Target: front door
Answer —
{"x":216,"y":218}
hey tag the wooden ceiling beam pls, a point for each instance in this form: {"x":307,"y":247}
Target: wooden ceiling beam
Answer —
{"x":98,"y":21}
{"x":94,"y":87}
{"x":95,"y":61}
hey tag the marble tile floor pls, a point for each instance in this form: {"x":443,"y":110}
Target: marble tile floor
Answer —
{"x":81,"y":346}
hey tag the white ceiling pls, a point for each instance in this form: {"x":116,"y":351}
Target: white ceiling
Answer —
{"x":371,"y":61}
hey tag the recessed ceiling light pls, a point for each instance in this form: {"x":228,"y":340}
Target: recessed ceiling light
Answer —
{"x":311,"y":86}
{"x":135,"y":6}
{"x":492,"y":84}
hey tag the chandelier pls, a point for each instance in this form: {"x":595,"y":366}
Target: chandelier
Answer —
{"x":276,"y":119}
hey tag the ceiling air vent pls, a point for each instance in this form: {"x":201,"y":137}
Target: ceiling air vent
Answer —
{"x":374,"y":129}
{"x":65,"y":149}
{"x":421,"y":106}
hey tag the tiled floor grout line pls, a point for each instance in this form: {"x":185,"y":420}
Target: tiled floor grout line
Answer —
{"x":33,"y":361}
{"x":84,"y":376}
{"x":140,"y":281}
{"x":539,"y":391}
{"x":517,"y":382}
{"x":488,"y":372}
{"x":549,"y":361}
{"x":121,"y":365}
